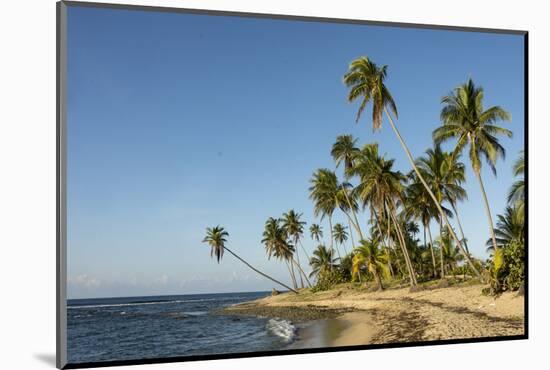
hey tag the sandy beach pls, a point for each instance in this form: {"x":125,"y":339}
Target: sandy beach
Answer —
{"x":346,"y":316}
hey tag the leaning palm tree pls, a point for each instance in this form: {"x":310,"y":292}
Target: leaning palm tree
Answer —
{"x":277,"y":245}
{"x":369,"y":255}
{"x":216,"y":237}
{"x":516,"y":196}
{"x":322,"y":261}
{"x":316,"y":232}
{"x":294,"y":228}
{"x":366,"y":82}
{"x":465,"y":119}
{"x":340,"y":235}
{"x":510,"y":228}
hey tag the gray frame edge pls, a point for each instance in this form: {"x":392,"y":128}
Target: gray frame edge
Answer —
{"x":289,"y":17}
{"x":61,"y":186}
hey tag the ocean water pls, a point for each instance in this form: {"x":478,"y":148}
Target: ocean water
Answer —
{"x":168,"y":326}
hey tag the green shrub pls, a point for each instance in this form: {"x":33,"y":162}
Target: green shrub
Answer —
{"x":327,"y":280}
{"x":507,"y":269}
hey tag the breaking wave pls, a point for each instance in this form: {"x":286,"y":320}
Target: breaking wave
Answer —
{"x":282,"y":328}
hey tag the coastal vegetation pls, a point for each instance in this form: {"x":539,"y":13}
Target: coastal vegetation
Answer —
{"x":398,"y":244}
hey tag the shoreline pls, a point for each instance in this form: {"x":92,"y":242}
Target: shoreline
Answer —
{"x":349,"y":329}
{"x":347,"y":316}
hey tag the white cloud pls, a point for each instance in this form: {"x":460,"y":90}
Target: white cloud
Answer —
{"x":162,"y":280}
{"x":85,"y":281}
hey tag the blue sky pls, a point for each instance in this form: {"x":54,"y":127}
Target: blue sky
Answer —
{"x":178,"y":122}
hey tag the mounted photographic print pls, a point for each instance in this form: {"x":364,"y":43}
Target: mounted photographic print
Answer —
{"x":235,"y":185}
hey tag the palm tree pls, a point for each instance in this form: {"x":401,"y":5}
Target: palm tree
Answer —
{"x":277,"y":245}
{"x":422,"y":208}
{"x":216,"y":237}
{"x":340,"y":235}
{"x":366,"y":82}
{"x":345,"y":151}
{"x":380,"y":186}
{"x":451,"y":254}
{"x":316,"y":232}
{"x":294,"y":228}
{"x":369,"y":255}
{"x":465,"y":119}
{"x":435,"y":168}
{"x":324,"y":193}
{"x":517,"y":192}
{"x":454,"y":174}
{"x":510,"y":228}
{"x":322,"y":261}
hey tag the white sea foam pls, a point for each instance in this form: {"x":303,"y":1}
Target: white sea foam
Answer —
{"x":281,"y":328}
{"x":195,"y":313}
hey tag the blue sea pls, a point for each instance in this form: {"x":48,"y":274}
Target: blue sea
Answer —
{"x":133,"y":328}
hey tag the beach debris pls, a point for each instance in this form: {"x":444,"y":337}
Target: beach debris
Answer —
{"x":274,"y":292}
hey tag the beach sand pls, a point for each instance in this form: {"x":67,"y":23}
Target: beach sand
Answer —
{"x":346,"y":316}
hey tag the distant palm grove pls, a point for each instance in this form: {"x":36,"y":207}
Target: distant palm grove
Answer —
{"x":398,"y":245}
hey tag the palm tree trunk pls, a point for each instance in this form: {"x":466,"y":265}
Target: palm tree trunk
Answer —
{"x":298,"y":263}
{"x":442,"y":275}
{"x":399,"y":267}
{"x":440,"y":210}
{"x":455,"y":210}
{"x":432,"y":249}
{"x":259,"y":272}
{"x":305,"y":252}
{"x":356,"y":224}
{"x":487,"y":209}
{"x":293,"y":275}
{"x":403,"y":244}
{"x":302,"y":273}
{"x":378,"y":279}
{"x":331,"y":239}
{"x":351,"y":236}
{"x":383,"y":242}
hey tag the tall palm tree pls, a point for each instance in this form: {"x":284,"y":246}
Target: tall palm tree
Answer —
{"x":366,"y":82}
{"x":294,"y":227}
{"x":277,"y":245}
{"x":324,"y":193}
{"x":421,"y":207}
{"x":465,"y":119}
{"x":340,"y":235}
{"x":510,"y":228}
{"x":316,"y":232}
{"x":435,"y":167}
{"x":380,"y":186}
{"x":322,"y":261}
{"x":345,"y":151}
{"x":369,"y":255}
{"x":216,"y":237}
{"x":516,"y":196}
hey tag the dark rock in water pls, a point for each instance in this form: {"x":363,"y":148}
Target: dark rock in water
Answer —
{"x":176,"y":315}
{"x":274,"y":292}
{"x":521,"y":290}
